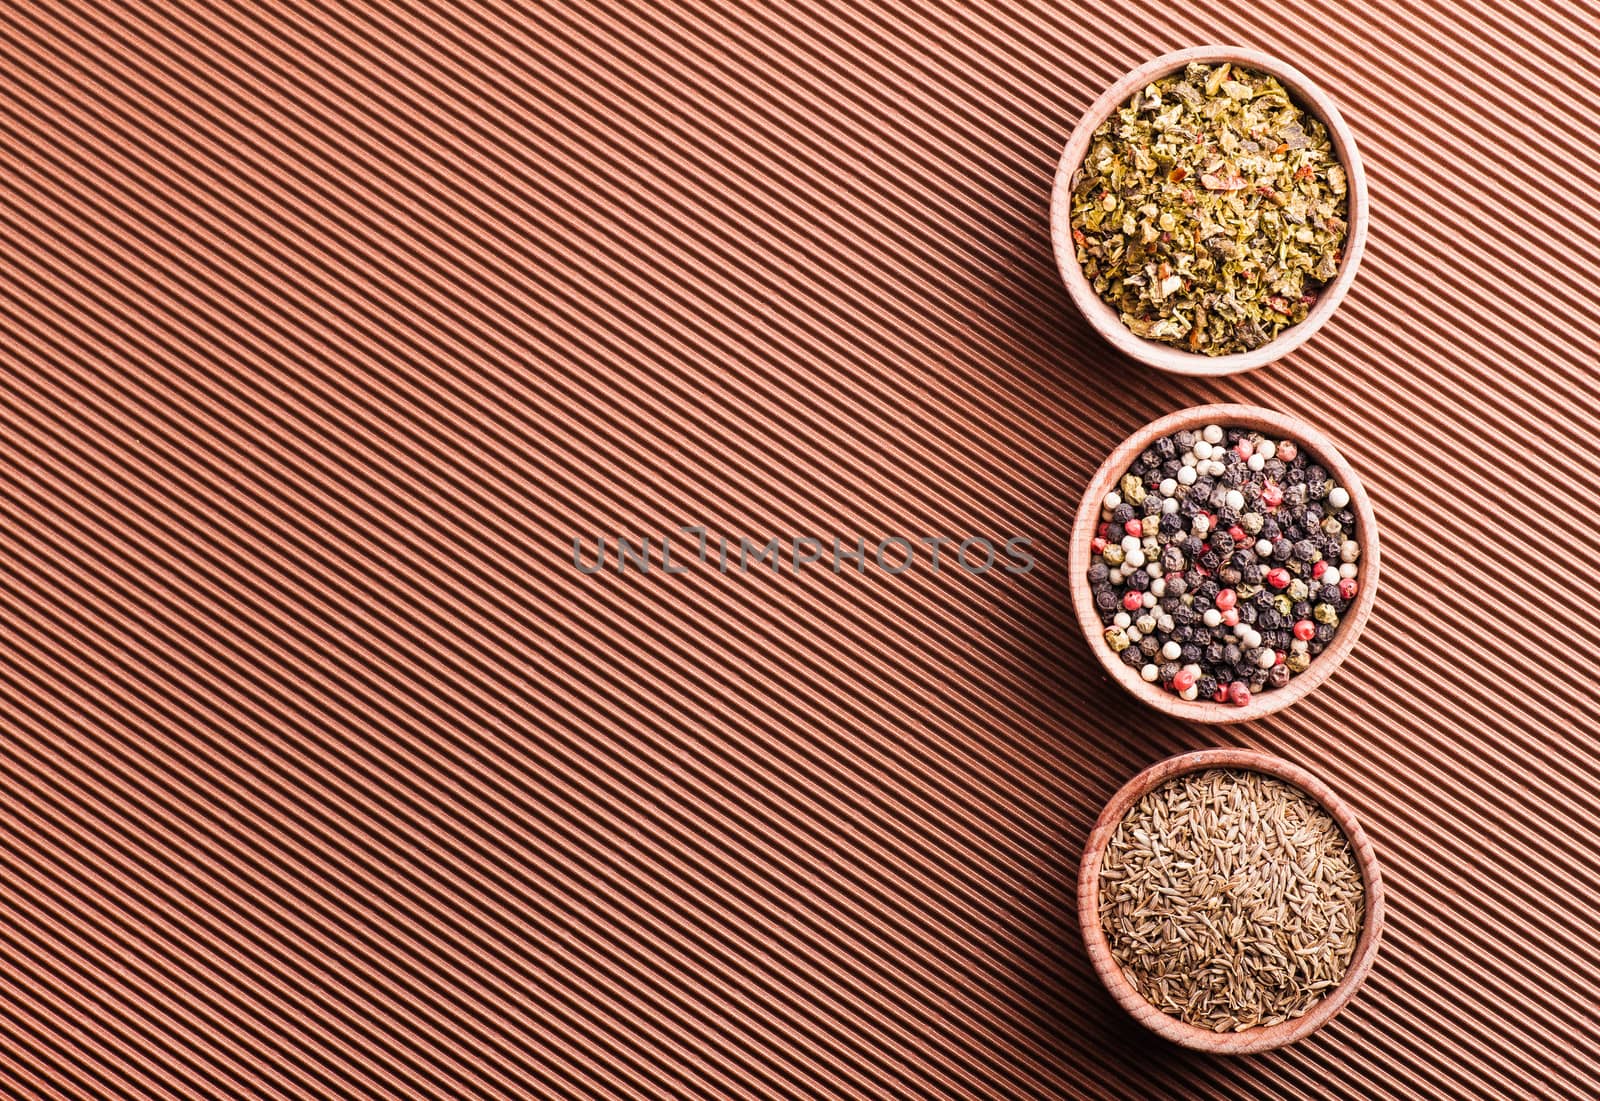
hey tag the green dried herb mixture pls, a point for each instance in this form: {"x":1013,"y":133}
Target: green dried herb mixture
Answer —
{"x":1210,"y":210}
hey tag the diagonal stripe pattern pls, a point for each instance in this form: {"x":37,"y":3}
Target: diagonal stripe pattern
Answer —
{"x":327,"y":329}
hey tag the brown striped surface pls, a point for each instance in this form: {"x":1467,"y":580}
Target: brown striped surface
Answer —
{"x":323,"y":331}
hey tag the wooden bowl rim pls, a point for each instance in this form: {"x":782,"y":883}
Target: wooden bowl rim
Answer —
{"x":1103,"y":319}
{"x":1110,"y":972}
{"x":1279,"y":426}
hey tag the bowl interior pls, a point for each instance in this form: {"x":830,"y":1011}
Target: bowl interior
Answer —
{"x":1110,"y":972}
{"x":1103,"y":318}
{"x":1278,"y":426}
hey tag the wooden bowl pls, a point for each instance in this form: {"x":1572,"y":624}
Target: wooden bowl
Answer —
{"x":1103,"y":318}
{"x":1277,"y":426}
{"x":1181,"y":1032}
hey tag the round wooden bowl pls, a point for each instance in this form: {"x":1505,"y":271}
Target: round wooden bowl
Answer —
{"x":1277,"y":426}
{"x":1103,"y":318}
{"x":1171,"y":1028}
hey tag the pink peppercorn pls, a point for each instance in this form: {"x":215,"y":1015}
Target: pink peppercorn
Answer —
{"x":1184,"y":680}
{"x":1222,"y":694}
{"x":1231,"y":617}
{"x":1279,"y":657}
{"x":1347,"y":588}
{"x":1318,"y":568}
{"x":1239,"y":693}
{"x":1287,"y":451}
{"x":1226,"y":599}
{"x":1305,"y":630}
{"x":1097,"y":544}
{"x":1134,"y":527}
{"x":1132,"y":601}
{"x":1236,"y":533}
{"x":1104,"y":530}
{"x":1271,"y":495}
{"x":1278,"y":578}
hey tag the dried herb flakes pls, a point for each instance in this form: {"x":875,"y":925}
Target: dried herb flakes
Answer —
{"x":1210,"y":210}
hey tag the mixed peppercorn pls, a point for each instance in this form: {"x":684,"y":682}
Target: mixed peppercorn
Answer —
{"x":1223,"y":563}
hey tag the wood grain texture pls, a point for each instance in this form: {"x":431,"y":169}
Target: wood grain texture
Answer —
{"x":325,"y":327}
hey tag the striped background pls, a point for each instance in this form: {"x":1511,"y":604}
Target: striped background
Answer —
{"x":324,"y":329}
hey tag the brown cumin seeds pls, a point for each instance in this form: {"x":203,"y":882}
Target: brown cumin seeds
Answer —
{"x":1231,"y":899}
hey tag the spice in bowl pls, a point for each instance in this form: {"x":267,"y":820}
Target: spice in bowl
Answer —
{"x":1231,"y":900}
{"x":1210,"y":210}
{"x":1223,"y":563}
